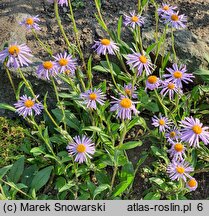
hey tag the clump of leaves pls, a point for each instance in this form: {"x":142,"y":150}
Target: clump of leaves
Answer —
{"x":12,"y":135}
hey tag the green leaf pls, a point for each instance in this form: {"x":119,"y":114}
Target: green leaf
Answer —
{"x":130,"y":145}
{"x":158,"y":181}
{"x":122,"y":186}
{"x":41,"y":178}
{"x":151,"y":106}
{"x":160,"y":153}
{"x":16,"y":170}
{"x":201,"y":72}
{"x":67,"y":186}
{"x":100,"y":189}
{"x":100,"y":68}
{"x":37,"y":150}
{"x":4,"y":170}
{"x":152,"y":196}
{"x":70,"y":118}
{"x":150,"y":48}
{"x":165,"y":61}
{"x":120,"y":21}
{"x":92,"y":128}
{"x":7,"y":107}
{"x":143,"y":3}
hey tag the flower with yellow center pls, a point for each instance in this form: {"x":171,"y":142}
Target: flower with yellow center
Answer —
{"x":13,"y":50}
{"x":63,"y":62}
{"x":180,"y":170}
{"x":143,"y":59}
{"x":174,"y":17}
{"x":28,"y":107}
{"x":171,"y":86}
{"x":126,"y":103}
{"x":177,"y":74}
{"x":152,"y":79}
{"x":81,"y":148}
{"x":128,"y":91}
{"x":67,"y":72}
{"x":93,"y":96}
{"x":29,"y":21}
{"x":197,"y":129}
{"x":172,"y":134}
{"x":29,"y":103}
{"x":124,"y":107}
{"x":166,"y":8}
{"x":161,"y":122}
{"x":105,"y":42}
{"x":134,"y":19}
{"x":178,"y":147}
{"x":192,"y":183}
{"x":47,"y":65}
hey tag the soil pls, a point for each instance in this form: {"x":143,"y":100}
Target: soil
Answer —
{"x":198,"y":23}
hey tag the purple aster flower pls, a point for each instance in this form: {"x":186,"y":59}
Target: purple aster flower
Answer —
{"x":175,"y":20}
{"x":65,"y":63}
{"x":82,"y":147}
{"x":133,"y":20}
{"x":31,"y":23}
{"x":166,"y":8}
{"x":173,"y":134}
{"x":46,"y":70}
{"x":124,"y":107}
{"x":105,"y":46}
{"x":192,"y":184}
{"x":177,"y":151}
{"x":179,"y":170}
{"x":129,"y":90}
{"x":193,"y":131}
{"x":25,"y":106}
{"x":178,"y":75}
{"x":141,"y":62}
{"x":17,"y":55}
{"x":170,"y":88}
{"x":152,"y":82}
{"x":161,"y":122}
{"x":92,"y":96}
{"x":60,"y":2}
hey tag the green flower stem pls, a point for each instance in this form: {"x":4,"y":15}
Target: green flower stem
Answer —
{"x":161,"y":41}
{"x":156,"y":21}
{"x":76,"y":179}
{"x":123,"y":134}
{"x":34,"y":96}
{"x":113,"y":178}
{"x":76,"y":34}
{"x":139,"y":6}
{"x":173,"y":44}
{"x":45,"y":47}
{"x":162,"y":104}
{"x":69,"y":81}
{"x":13,"y":186}
{"x":42,"y":137}
{"x":112,"y":75}
{"x":59,"y":103}
{"x":81,"y":80}
{"x":120,"y":58}
{"x":10,"y":78}
{"x":56,"y":10}
{"x":139,"y":39}
{"x":176,"y":104}
{"x":100,"y":16}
